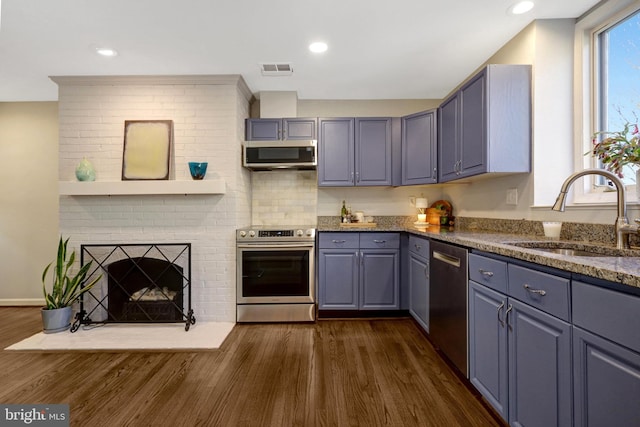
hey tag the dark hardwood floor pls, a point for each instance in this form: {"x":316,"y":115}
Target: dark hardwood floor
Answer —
{"x":331,"y":373}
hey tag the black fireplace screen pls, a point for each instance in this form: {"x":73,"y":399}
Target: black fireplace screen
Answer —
{"x":141,"y":283}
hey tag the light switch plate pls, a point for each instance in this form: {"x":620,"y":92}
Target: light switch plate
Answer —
{"x":512,"y":197}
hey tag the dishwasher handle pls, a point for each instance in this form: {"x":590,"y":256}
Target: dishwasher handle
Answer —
{"x":451,"y":260}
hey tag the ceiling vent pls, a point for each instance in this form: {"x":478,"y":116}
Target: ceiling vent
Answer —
{"x":282,"y":69}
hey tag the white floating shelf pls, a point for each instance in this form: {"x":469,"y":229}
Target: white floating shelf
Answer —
{"x":115,"y":188}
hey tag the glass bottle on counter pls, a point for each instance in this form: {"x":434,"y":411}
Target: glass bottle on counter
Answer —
{"x":343,"y":212}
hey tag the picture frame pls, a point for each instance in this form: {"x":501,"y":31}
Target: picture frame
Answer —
{"x":146,"y":153}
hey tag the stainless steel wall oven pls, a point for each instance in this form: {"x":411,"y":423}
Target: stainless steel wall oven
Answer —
{"x":275,"y":274}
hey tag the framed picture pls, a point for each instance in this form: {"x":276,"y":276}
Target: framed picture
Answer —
{"x":147,"y":149}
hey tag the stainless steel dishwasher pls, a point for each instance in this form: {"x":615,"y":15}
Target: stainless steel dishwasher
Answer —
{"x":448,"y":302}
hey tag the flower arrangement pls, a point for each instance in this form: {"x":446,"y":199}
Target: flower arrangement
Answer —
{"x":617,"y":149}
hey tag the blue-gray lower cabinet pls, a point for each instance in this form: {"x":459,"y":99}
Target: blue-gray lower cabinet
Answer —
{"x":539,"y":368}
{"x":419,"y":280}
{"x":519,"y":355}
{"x":606,"y":355}
{"x":338,"y":279}
{"x":488,"y":351}
{"x":359,"y":271}
{"x":606,"y":382}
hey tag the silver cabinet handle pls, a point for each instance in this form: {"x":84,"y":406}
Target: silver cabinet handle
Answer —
{"x":506,"y":316}
{"x":485,"y":272}
{"x":357,"y":176}
{"x":338,"y":241}
{"x":379,"y":241}
{"x":426,"y":272}
{"x":534,"y":291}
{"x":500,"y":307}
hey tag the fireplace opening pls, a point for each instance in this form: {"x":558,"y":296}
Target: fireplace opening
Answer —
{"x":144,"y":289}
{"x":139,"y":283}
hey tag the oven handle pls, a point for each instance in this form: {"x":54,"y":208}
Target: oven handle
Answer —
{"x":274,"y":245}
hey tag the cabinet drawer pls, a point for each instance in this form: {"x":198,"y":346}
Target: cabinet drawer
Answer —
{"x":379,"y":240}
{"x":545,"y":291}
{"x":339,"y":240}
{"x":489,"y":272}
{"x":608,"y":313}
{"x":419,"y":246}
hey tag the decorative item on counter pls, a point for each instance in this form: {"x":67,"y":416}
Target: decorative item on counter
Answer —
{"x":552,"y":229}
{"x":85,"y":171}
{"x":343,"y":213}
{"x":440,"y":213}
{"x":422,"y":204}
{"x":198,"y":169}
{"x":358,"y":216}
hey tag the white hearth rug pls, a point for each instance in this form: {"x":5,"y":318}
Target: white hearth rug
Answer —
{"x":164,"y":336}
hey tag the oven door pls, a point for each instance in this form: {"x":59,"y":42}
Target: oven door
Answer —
{"x":275,"y":273}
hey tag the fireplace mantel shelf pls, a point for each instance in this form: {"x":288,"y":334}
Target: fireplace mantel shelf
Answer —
{"x":115,"y":188}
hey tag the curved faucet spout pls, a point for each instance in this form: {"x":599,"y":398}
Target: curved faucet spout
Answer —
{"x":623,"y":228}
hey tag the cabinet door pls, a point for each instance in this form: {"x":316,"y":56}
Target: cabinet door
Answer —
{"x":419,"y":290}
{"x":539,"y":368}
{"x":380,"y":279}
{"x":338,"y":279}
{"x":263,"y":129}
{"x":336,"y":152}
{"x":419,"y":145}
{"x":448,"y":139}
{"x":373,"y":151}
{"x":473,"y":134}
{"x":299,"y":128}
{"x":488,"y":363}
{"x":607,"y":382}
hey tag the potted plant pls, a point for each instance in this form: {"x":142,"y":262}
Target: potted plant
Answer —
{"x":617,"y":149}
{"x":66,"y":289}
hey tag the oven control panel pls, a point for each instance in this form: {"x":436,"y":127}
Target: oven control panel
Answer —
{"x":257,"y":233}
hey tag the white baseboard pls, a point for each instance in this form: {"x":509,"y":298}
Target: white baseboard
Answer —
{"x":6,"y":302}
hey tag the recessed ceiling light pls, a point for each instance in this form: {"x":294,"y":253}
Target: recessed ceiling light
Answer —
{"x":106,"y":51}
{"x":318,"y":47}
{"x":521,"y":7}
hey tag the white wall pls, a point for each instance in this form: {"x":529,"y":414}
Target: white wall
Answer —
{"x":208,"y":121}
{"x":28,"y":198}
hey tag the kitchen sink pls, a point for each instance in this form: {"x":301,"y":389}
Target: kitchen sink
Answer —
{"x":578,"y":249}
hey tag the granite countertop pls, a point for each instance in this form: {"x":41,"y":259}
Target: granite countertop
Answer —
{"x":624,"y":270}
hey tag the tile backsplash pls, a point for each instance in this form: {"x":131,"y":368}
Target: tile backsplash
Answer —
{"x":287,"y":197}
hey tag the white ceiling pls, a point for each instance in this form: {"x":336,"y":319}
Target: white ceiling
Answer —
{"x":401,"y":49}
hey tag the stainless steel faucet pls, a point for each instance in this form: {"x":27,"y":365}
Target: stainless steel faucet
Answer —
{"x":623,"y":228}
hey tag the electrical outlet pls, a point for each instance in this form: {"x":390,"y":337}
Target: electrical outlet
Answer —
{"x":512,"y":197}
{"x":412,"y":201}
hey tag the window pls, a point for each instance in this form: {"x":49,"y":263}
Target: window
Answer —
{"x":617,"y":61}
{"x":607,"y":89}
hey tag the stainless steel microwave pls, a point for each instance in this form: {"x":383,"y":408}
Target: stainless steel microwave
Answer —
{"x":272,"y":155}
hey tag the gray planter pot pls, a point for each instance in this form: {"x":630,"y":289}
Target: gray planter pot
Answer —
{"x":56,"y":320}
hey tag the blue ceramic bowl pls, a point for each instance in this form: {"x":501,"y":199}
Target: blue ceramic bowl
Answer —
{"x":198,"y":169}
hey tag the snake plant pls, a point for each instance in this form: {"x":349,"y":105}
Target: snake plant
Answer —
{"x":67,"y":288}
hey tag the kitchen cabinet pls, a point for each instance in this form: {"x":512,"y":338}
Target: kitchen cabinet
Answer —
{"x":485,"y":126}
{"x":519,"y":350}
{"x":606,"y":352}
{"x":354,"y":152}
{"x":419,"y":280}
{"x":358,"y":271}
{"x":298,"y":128}
{"x":419,"y":148}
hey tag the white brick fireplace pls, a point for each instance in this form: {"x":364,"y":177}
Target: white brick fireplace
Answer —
{"x":208,"y":115}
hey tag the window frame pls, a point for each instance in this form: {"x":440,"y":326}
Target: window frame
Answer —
{"x":588,"y":107}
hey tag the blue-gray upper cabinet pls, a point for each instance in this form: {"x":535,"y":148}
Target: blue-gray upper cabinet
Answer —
{"x":419,"y":148}
{"x":354,"y":152}
{"x":485,"y":126}
{"x":279,"y":129}
{"x":606,"y":356}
